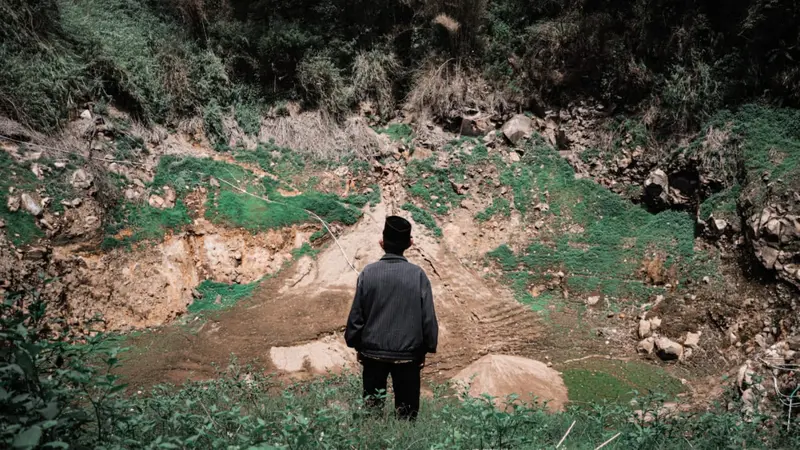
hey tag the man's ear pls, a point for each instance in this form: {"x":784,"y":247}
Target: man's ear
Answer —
{"x":381,"y":243}
{"x":411,"y":242}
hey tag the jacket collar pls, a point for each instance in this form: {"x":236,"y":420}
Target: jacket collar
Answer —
{"x":393,"y":257}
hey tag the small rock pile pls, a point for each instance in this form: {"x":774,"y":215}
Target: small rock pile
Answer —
{"x":665,"y":348}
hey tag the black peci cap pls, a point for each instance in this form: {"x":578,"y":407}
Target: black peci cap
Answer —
{"x":397,"y":231}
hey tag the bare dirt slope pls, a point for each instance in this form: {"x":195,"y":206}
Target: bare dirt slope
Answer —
{"x":311,"y":300}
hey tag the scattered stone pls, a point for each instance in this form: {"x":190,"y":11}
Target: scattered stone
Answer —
{"x":646,"y":346}
{"x":518,"y":127}
{"x":218,"y":299}
{"x":81,"y":179}
{"x":13,"y":203}
{"x":645,"y":329}
{"x":538,"y":224}
{"x":342,"y":171}
{"x":692,"y":339}
{"x":60,"y":164}
{"x":514,"y":157}
{"x":196,"y":293}
{"x":31,"y":205}
{"x":237,"y":255}
{"x":86,"y":114}
{"x":169,"y":197}
{"x":138,"y":182}
{"x":36,"y":168}
{"x":156,"y":201}
{"x":794,"y":342}
{"x":706,"y":280}
{"x":468,"y":204}
{"x":474,"y":127}
{"x":761,"y":341}
{"x":74,"y":203}
{"x":213,"y":182}
{"x":668,"y":350}
{"x":593,"y":300}
{"x":35,"y":253}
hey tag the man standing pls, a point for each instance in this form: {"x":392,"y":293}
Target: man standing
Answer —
{"x":392,"y":323}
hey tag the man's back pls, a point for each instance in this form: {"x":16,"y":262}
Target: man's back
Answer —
{"x":393,"y":315}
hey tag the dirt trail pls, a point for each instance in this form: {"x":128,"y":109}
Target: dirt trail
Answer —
{"x":310,"y":302}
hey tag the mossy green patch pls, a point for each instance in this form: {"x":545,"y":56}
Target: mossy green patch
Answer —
{"x":216,"y":296}
{"x":280,"y":161}
{"x":612,"y":239}
{"x":721,"y":204}
{"x":130,"y":224}
{"x":21,"y":227}
{"x":434,"y":185}
{"x":398,"y":132}
{"x":423,"y":217}
{"x":601,"y":380}
{"x":499,"y":206}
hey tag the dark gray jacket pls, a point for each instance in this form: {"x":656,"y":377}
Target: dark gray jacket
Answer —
{"x":392,"y":315}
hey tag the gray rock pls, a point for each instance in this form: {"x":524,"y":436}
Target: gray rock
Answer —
{"x":31,"y":205}
{"x":645,"y":329}
{"x":514,"y":157}
{"x":656,"y":187}
{"x":668,"y":350}
{"x":693,"y":339}
{"x":81,"y":179}
{"x":794,"y":343}
{"x":86,"y":114}
{"x":13,"y":203}
{"x":35,"y":253}
{"x":646,"y":346}
{"x":156,"y":201}
{"x":593,"y":300}
{"x":518,"y":127}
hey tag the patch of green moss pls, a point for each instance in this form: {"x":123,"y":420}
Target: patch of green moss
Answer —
{"x":216,"y":296}
{"x":305,"y":250}
{"x":21,"y":228}
{"x":722,"y":204}
{"x":612,"y":238}
{"x":499,"y":206}
{"x":424,"y":218}
{"x":433,"y":186}
{"x":598,"y":381}
{"x":360,"y":200}
{"x":130,"y":224}
{"x":398,"y":132}
{"x":280,"y":161}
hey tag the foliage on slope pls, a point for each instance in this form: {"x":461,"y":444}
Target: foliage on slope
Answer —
{"x":166,"y":60}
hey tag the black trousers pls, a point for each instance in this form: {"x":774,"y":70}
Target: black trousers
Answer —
{"x":405,"y":381}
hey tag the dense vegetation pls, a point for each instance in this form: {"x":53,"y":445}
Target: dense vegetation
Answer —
{"x":59,"y":391}
{"x":164,"y":60}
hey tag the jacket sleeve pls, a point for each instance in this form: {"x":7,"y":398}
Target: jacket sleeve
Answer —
{"x":355,"y":321}
{"x":430,"y":326}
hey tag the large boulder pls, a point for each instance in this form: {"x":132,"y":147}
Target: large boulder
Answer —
{"x":656,"y":188}
{"x":775,"y":238}
{"x":31,"y":205}
{"x":517,"y":128}
{"x":668,"y":350}
{"x":502,"y":375}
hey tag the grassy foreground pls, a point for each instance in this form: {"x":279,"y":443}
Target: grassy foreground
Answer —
{"x":62,"y":393}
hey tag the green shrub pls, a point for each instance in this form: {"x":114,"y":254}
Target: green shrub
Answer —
{"x":324,"y":85}
{"x":215,"y":130}
{"x":374,"y":73}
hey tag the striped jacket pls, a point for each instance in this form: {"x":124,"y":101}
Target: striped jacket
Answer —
{"x":392,"y":316}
